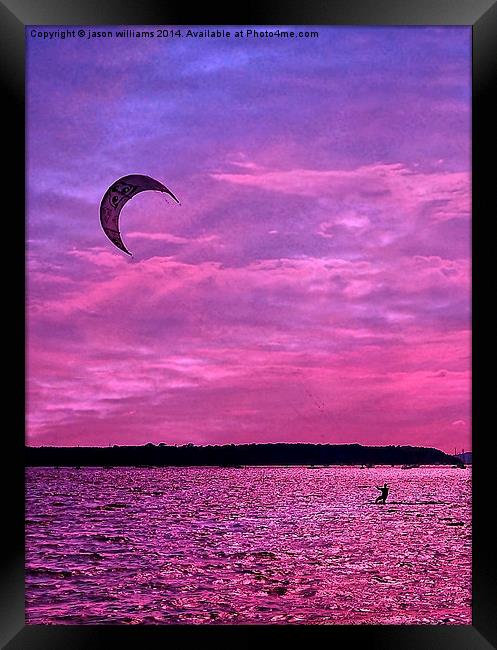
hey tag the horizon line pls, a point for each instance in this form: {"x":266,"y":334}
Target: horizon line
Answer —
{"x":256,"y":444}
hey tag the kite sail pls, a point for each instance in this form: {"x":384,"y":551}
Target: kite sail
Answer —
{"x":116,"y":197}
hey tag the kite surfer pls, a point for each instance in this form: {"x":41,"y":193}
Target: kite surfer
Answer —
{"x":384,"y":493}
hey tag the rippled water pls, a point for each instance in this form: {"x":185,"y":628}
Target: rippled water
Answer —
{"x":250,"y":545}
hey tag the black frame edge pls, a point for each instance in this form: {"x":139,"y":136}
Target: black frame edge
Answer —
{"x":482,"y":15}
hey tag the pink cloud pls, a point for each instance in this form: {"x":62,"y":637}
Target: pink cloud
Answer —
{"x":442,"y":195}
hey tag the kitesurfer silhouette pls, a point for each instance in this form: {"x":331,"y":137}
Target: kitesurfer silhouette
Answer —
{"x":384,"y":493}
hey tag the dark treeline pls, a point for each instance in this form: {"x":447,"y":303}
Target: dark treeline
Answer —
{"x":235,"y":455}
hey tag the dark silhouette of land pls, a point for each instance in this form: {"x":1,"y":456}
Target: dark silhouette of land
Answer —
{"x":237,"y":455}
{"x":466,"y":457}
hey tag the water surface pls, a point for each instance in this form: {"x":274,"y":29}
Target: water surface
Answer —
{"x":255,"y":545}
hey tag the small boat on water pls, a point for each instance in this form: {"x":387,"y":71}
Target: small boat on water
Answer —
{"x":412,"y":466}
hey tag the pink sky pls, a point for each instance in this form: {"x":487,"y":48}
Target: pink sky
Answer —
{"x":314,"y":284}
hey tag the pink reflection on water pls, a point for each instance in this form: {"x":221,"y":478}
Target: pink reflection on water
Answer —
{"x":251,"y":545}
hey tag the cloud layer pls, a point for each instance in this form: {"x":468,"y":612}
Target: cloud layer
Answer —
{"x":314,"y":284}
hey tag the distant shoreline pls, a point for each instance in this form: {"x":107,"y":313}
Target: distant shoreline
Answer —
{"x":276,"y":454}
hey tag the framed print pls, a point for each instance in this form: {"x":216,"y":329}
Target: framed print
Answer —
{"x":253,"y":265}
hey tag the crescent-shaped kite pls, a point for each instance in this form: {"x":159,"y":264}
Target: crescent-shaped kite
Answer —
{"x":116,"y":197}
